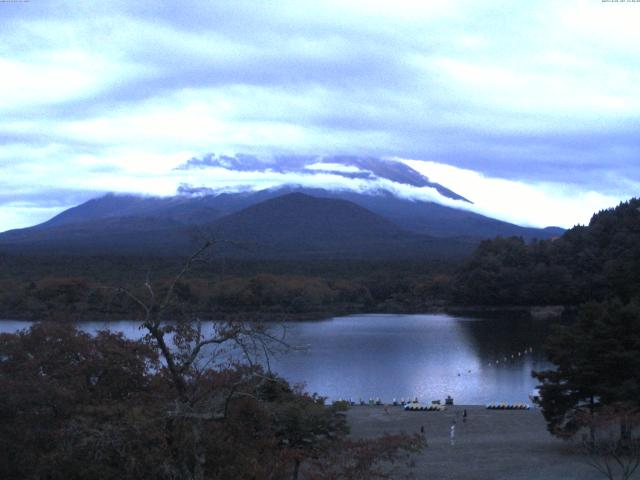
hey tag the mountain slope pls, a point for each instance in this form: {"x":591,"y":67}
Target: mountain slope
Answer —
{"x":306,"y":217}
{"x":117,"y":235}
{"x":294,"y":225}
{"x":299,"y":225}
{"x":430,"y":218}
{"x":420,"y":217}
{"x":183,"y":209}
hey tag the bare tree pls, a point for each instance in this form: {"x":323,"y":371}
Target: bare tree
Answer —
{"x":190,"y":349}
{"x":208,"y":365}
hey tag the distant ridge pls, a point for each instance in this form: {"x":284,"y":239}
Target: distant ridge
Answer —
{"x":294,"y":225}
{"x":287,"y":222}
{"x":417,"y":216}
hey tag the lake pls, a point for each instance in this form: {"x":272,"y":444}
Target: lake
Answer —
{"x":429,"y":356}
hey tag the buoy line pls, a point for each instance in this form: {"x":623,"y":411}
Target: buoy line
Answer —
{"x":507,"y":358}
{"x":402,"y":402}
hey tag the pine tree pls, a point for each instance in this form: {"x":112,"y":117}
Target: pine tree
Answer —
{"x":597,"y":365}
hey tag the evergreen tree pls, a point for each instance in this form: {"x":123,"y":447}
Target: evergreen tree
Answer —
{"x":597,"y":365}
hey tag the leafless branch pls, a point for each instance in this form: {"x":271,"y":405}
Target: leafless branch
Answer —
{"x":186,"y":267}
{"x":131,"y":296}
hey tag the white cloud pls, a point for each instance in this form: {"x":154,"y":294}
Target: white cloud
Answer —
{"x":59,"y":76}
{"x":333,"y":167}
{"x":20,"y":215}
{"x":530,"y":204}
{"x":538,"y":204}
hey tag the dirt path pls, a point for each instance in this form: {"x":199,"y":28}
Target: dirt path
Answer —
{"x":490,"y":445}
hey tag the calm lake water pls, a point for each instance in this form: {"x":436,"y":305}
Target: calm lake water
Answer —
{"x":387,"y":356}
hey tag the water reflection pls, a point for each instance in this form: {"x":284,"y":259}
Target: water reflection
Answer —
{"x":387,"y":356}
{"x":429,"y":356}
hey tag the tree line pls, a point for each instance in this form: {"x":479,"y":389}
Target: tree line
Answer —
{"x":264,"y":295}
{"x":593,"y":391}
{"x":593,"y":262}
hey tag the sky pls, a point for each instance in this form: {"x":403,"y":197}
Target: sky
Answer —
{"x":529,"y":109}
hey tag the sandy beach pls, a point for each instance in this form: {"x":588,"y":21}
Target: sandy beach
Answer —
{"x":490,"y":444}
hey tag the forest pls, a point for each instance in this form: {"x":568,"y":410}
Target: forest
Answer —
{"x":593,"y":262}
{"x":72,"y":288}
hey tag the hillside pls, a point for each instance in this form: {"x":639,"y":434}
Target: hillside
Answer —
{"x":299,"y":225}
{"x":592,"y":262}
{"x":308,"y":220}
{"x":116,"y":235}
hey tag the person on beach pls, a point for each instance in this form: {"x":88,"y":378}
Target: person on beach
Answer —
{"x":464,"y":415}
{"x":453,"y":434}
{"x":426,"y":444}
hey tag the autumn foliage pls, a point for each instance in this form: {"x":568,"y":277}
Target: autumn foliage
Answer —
{"x":77,"y":406}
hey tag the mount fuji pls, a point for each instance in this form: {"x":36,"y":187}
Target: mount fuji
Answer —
{"x":338,"y":207}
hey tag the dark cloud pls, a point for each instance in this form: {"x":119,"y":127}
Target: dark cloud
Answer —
{"x":365,"y":168}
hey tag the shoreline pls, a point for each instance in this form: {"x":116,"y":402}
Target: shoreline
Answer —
{"x":490,"y":444}
{"x":537,"y":312}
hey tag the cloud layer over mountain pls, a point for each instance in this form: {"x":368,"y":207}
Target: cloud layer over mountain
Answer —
{"x":407,"y":179}
{"x":111,"y":96}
